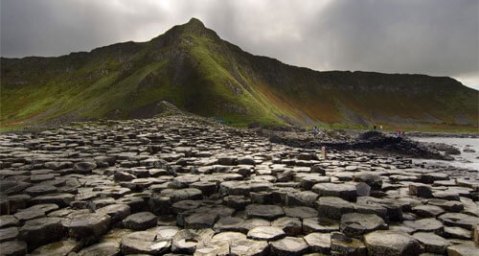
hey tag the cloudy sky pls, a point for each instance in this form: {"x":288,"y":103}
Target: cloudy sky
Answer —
{"x":435,"y":37}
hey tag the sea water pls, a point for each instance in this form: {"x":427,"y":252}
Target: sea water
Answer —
{"x":467,"y":160}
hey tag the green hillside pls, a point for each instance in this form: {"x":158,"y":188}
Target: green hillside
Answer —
{"x":191,"y":67}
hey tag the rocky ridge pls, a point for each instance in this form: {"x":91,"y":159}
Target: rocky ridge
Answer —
{"x":181,"y":185}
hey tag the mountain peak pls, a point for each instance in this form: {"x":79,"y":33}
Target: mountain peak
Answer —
{"x":195,"y":22}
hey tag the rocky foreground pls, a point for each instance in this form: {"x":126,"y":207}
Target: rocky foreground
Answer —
{"x":179,"y":185}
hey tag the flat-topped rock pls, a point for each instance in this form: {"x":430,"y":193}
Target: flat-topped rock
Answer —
{"x":87,"y":225}
{"x":459,"y":219}
{"x":41,"y":231}
{"x":355,"y":224}
{"x":140,"y":221}
{"x":319,"y":242}
{"x":268,"y":212}
{"x":432,"y":243}
{"x":144,"y":242}
{"x":266,"y":233}
{"x":289,"y":246}
{"x":394,"y":243}
{"x":344,"y":191}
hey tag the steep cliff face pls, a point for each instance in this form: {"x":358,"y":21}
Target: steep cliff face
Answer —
{"x":191,"y":67}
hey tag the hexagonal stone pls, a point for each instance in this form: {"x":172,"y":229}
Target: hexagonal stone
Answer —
{"x":102,"y":249}
{"x":41,"y":231}
{"x":185,"y":205}
{"x":301,"y":212}
{"x":289,"y":246}
{"x":373,"y":179}
{"x":117,"y":212}
{"x":41,"y":190}
{"x":319,"y":242}
{"x":145,"y":242}
{"x":8,"y":234}
{"x":268,"y":212}
{"x":266,"y":233}
{"x":230,"y":224}
{"x":394,"y":243}
{"x":8,"y":221}
{"x":200,"y":220}
{"x":206,"y":187}
{"x":343,"y":245}
{"x":247,"y":247}
{"x":186,"y":194}
{"x":355,"y":224}
{"x":466,"y":248}
{"x":254,"y":222}
{"x":13,"y":248}
{"x":432,"y":242}
{"x":186,"y":240}
{"x":84,"y":167}
{"x":334,"y":207}
{"x":63,"y":247}
{"x":60,"y":199}
{"x":237,"y":202}
{"x":87,"y":225}
{"x":213,"y":248}
{"x":302,"y":198}
{"x":140,"y":221}
{"x":457,"y":232}
{"x":459,"y":219}
{"x":291,"y":226}
{"x":344,"y":191}
{"x":425,"y":225}
{"x":427,"y":210}
{"x":322,"y":225}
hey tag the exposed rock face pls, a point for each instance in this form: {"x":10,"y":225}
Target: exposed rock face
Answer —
{"x":186,"y":186}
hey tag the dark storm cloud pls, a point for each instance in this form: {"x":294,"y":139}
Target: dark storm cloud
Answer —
{"x":436,"y":37}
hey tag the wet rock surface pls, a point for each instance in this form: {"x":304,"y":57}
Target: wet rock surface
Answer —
{"x":185,"y":185}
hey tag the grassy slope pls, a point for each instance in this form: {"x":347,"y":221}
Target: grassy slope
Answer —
{"x":194,"y":69}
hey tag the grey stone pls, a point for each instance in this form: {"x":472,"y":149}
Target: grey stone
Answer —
{"x":466,"y":248}
{"x":247,"y":247}
{"x":13,"y":248}
{"x":59,"y":248}
{"x":334,"y":207}
{"x":355,"y":224}
{"x":394,"y":243}
{"x":117,"y":212}
{"x":8,"y":221}
{"x":344,"y":191}
{"x":301,"y":212}
{"x":144,"y":242}
{"x":342,"y":245}
{"x":42,"y":231}
{"x":87,"y":225}
{"x":291,"y":226}
{"x":432,"y":243}
{"x":7,"y":234}
{"x":319,"y":242}
{"x":459,"y":219}
{"x":140,"y":221}
{"x":425,"y":225}
{"x":266,"y":233}
{"x":268,"y":212}
{"x":322,"y":225}
{"x":289,"y":246}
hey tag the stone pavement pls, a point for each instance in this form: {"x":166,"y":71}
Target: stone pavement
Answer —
{"x":181,"y":185}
